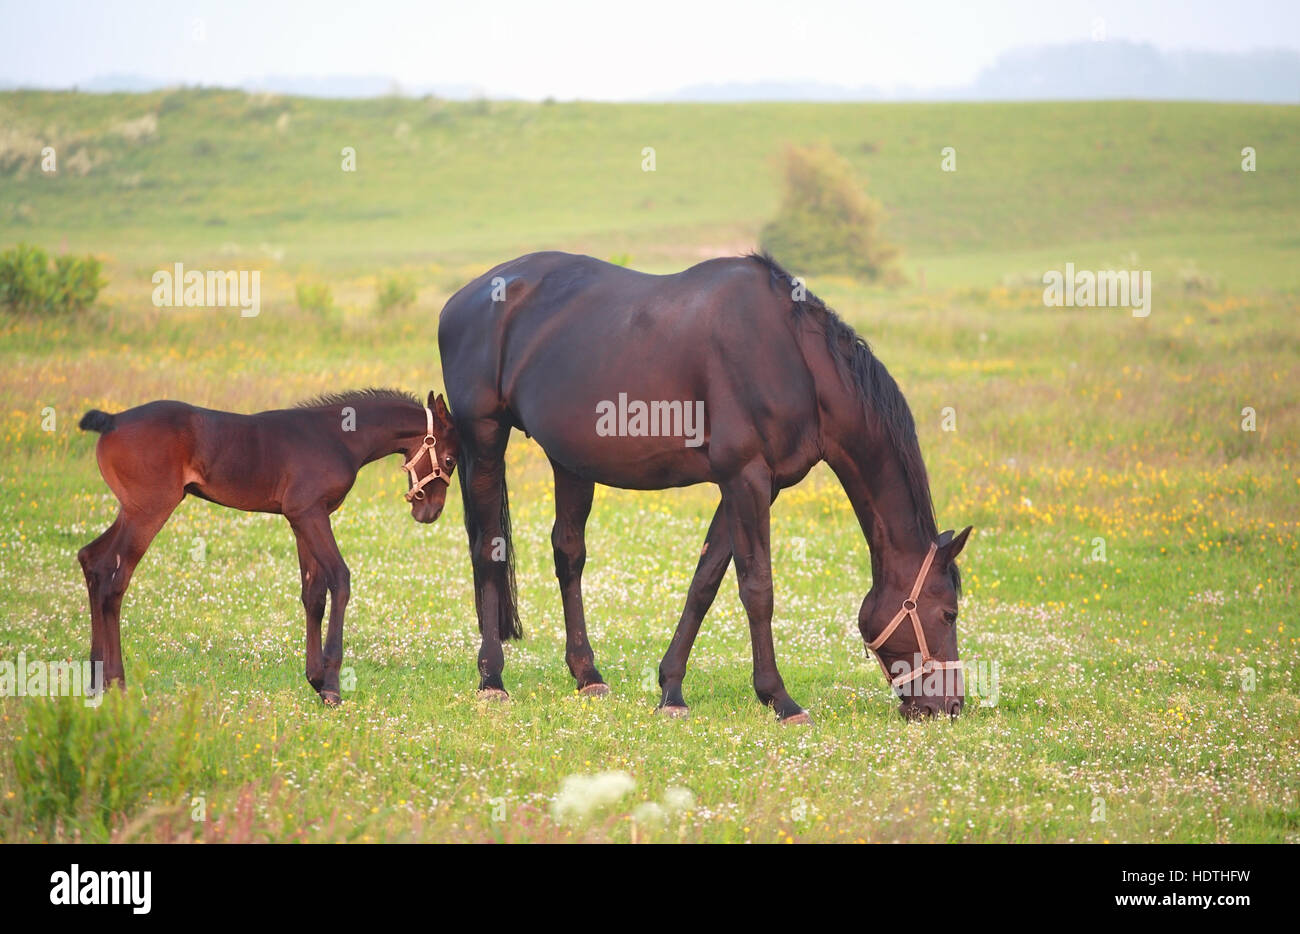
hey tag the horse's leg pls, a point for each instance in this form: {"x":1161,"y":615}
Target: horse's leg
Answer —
{"x":314,"y":590}
{"x":483,"y":485}
{"x":712,"y":567}
{"x":89,"y":557}
{"x":313,"y":529}
{"x":114,"y":567}
{"x":709,"y":572}
{"x":568,"y":538}
{"x":746,"y":501}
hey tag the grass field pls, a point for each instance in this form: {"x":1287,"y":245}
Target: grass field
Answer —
{"x":1132,"y":572}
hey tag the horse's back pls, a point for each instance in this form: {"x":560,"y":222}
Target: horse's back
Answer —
{"x":515,"y":309}
{"x":549,"y":338}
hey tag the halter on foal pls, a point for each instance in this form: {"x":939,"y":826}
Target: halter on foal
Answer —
{"x":299,"y":462}
{"x":431,"y":445}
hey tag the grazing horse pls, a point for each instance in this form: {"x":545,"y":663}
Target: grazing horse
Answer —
{"x":605,"y":366}
{"x":298,"y":462}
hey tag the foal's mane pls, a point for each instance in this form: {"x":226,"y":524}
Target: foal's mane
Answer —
{"x":358,"y":395}
{"x":877,"y":389}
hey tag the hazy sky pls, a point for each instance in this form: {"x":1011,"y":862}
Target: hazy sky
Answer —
{"x":608,"y":50}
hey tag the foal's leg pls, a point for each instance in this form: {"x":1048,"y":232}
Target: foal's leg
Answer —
{"x":89,"y":558}
{"x":314,"y":590}
{"x":709,"y":572}
{"x":113,"y":568}
{"x":573,"y":497}
{"x":746,"y":501}
{"x":313,"y":529}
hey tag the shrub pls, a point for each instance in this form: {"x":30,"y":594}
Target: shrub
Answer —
{"x":29,"y":284}
{"x":395,"y":292}
{"x":315,"y":297}
{"x":827,"y":223}
{"x":1194,"y":280}
{"x":93,"y":767}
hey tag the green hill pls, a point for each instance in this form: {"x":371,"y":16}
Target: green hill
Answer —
{"x":476,"y":182}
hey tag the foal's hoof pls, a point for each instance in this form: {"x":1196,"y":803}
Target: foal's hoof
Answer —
{"x":673,"y":712}
{"x":598,"y":689}
{"x":495,"y":695}
{"x":331,"y":698}
{"x":802,"y":718}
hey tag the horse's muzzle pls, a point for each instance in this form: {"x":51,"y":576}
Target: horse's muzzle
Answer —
{"x":926,"y":708}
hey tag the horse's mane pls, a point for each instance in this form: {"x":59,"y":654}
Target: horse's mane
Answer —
{"x":877,"y":389}
{"x":357,"y":395}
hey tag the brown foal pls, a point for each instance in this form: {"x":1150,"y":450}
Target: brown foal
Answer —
{"x":298,"y":462}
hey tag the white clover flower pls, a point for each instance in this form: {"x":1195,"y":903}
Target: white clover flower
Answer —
{"x":649,"y":814}
{"x":679,"y":799}
{"x":581,"y":795}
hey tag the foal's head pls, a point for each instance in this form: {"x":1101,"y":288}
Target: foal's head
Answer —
{"x":431,"y":456}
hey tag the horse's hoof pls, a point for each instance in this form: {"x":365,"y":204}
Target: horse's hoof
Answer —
{"x":802,"y":718}
{"x":331,"y":698}
{"x":599,"y":689}
{"x":495,"y":695}
{"x":673,"y":712}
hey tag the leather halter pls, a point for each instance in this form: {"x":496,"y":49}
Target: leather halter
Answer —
{"x":928,"y":663}
{"x":431,"y":445}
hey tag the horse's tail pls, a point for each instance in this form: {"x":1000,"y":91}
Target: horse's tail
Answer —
{"x":95,"y":420}
{"x":501,"y":550}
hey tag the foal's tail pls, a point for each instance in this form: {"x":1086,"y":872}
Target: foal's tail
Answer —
{"x":508,"y":625}
{"x":95,"y":420}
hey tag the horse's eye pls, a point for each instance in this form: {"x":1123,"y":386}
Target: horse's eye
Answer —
{"x":950,"y":616}
{"x":450,"y":462}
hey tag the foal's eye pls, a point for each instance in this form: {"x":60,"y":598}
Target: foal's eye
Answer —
{"x":450,"y":462}
{"x":950,"y":616}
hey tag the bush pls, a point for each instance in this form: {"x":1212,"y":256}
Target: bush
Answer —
{"x":395,"y":292}
{"x":315,"y":297}
{"x":30,"y":285}
{"x":827,"y":223}
{"x":93,"y":768}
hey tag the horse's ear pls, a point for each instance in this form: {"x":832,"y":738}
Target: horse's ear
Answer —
{"x":950,"y":545}
{"x":438,"y":406}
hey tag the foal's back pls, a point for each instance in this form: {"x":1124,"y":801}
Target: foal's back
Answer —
{"x":162,"y":450}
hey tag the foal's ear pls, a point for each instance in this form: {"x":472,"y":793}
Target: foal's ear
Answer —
{"x":950,"y":545}
{"x":438,"y":406}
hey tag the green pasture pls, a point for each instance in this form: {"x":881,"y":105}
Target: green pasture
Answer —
{"x":1132,"y":574}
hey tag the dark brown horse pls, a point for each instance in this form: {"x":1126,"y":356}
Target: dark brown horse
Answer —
{"x":298,"y":462}
{"x":727,"y":373}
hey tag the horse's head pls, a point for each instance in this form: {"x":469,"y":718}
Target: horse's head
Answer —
{"x":911,"y":626}
{"x":431,"y":457}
